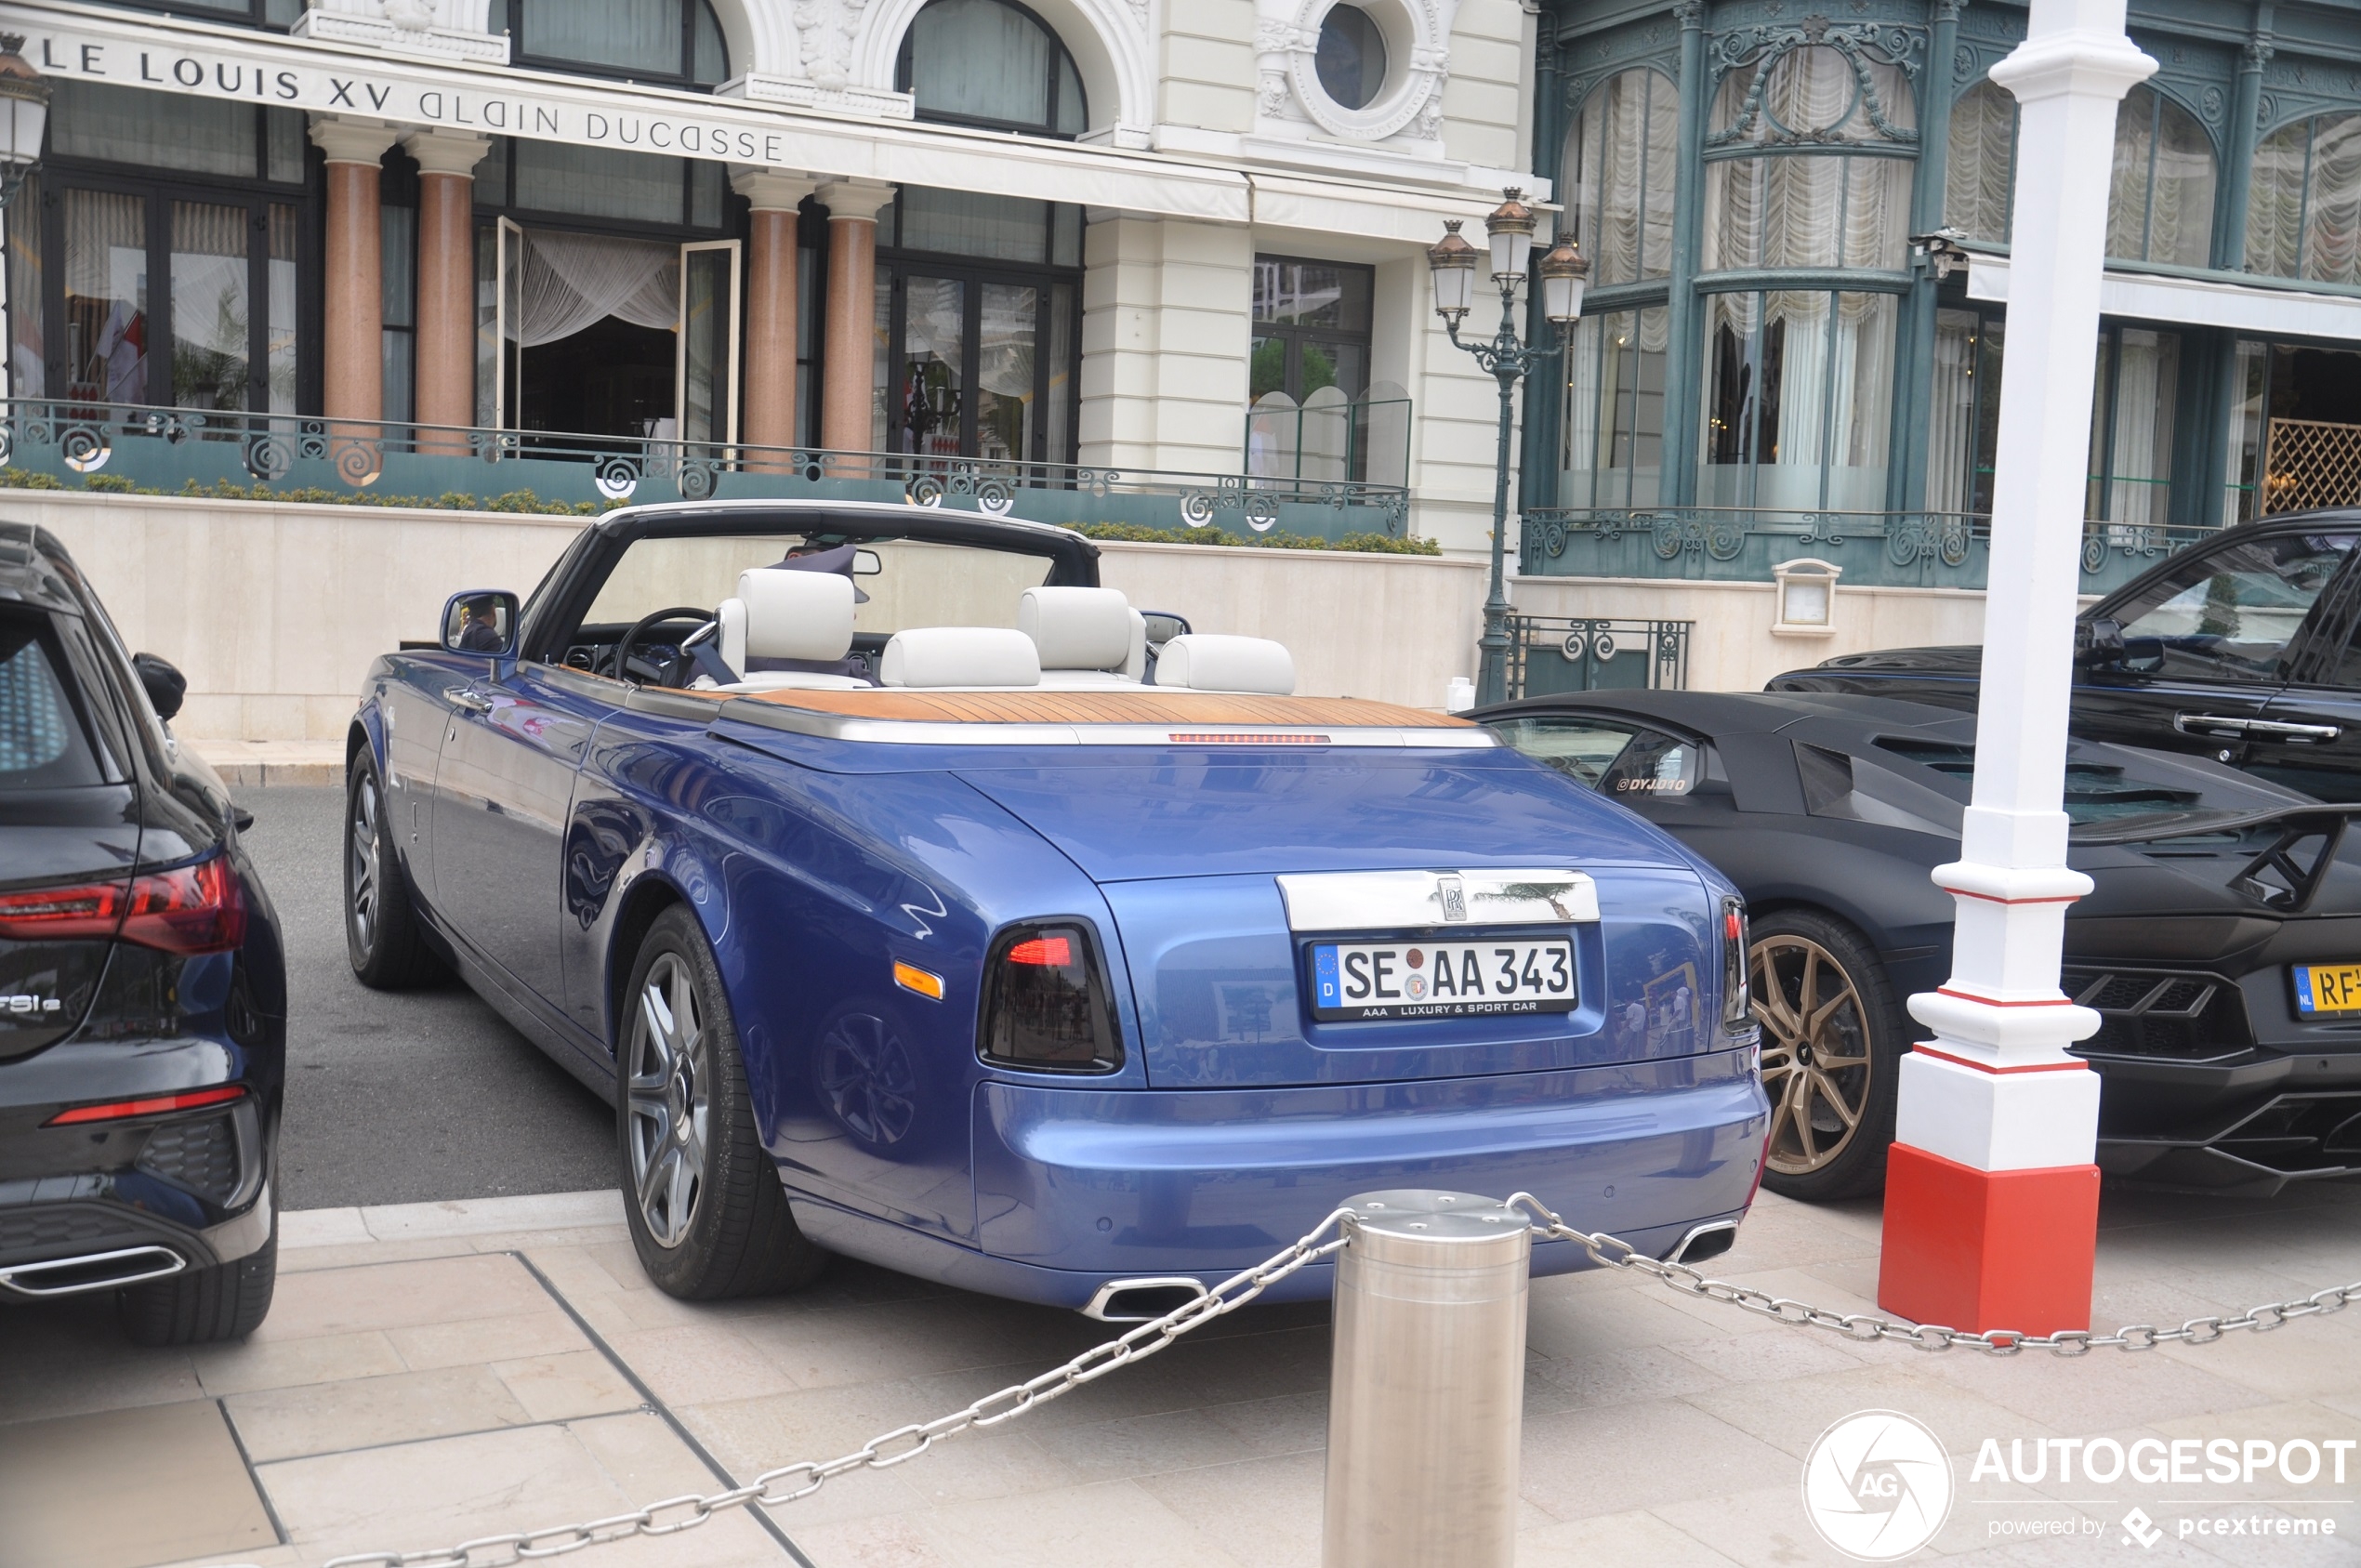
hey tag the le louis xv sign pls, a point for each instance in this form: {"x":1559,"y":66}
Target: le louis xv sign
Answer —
{"x":292,"y":75}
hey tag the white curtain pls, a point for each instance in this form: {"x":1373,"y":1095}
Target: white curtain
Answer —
{"x":1952,"y":426}
{"x":2160,"y":200}
{"x":2147,"y":372}
{"x":2274,"y":203}
{"x":573,"y":280}
{"x":2332,"y":222}
{"x":1976,"y":185}
{"x":1621,"y":158}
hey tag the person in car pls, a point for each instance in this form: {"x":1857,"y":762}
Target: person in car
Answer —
{"x":481,"y":632}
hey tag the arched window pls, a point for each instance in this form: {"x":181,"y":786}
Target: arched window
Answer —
{"x":1621,"y":164}
{"x":991,"y":63}
{"x":2303,"y":210}
{"x":673,"y":41}
{"x":1830,"y":183}
{"x":2160,"y":205}
{"x":1981,"y":175}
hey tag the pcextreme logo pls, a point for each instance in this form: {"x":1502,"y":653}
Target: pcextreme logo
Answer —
{"x":1877,"y":1485}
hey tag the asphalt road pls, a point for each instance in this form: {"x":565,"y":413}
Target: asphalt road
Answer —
{"x":403,"y":1097}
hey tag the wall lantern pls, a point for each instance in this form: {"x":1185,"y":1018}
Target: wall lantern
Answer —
{"x":24,"y":116}
{"x":1807,"y":598}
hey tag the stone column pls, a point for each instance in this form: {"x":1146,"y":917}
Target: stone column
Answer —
{"x":446,"y":316}
{"x":1992,"y":1192}
{"x":354,"y":384}
{"x":1685,"y":314}
{"x":770,"y":308}
{"x":848,"y":378}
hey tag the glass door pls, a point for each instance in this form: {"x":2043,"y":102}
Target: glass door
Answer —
{"x":707,"y":378}
{"x":508,"y":314}
{"x":980,"y":367}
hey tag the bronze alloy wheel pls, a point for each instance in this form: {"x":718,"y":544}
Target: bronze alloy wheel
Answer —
{"x":1816,"y":1061}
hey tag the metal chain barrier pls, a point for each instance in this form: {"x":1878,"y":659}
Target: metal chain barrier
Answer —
{"x":791,"y":1482}
{"x":1867,"y":1327}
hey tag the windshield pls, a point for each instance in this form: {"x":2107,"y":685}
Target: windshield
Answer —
{"x":903,"y":583}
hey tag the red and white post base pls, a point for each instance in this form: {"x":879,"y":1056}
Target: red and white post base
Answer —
{"x":1992,"y":1200}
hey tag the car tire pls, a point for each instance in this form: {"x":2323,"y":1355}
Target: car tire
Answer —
{"x":708,"y":1217}
{"x":1832,"y":1042}
{"x":203,"y":1306}
{"x":381,"y":933}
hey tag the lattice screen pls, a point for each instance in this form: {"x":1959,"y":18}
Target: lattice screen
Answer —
{"x":2311,"y":464}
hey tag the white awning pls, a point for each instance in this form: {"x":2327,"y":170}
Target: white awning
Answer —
{"x":2263,"y":312}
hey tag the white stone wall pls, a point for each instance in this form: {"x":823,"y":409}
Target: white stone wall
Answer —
{"x":274,"y":610}
{"x":1165,"y":326}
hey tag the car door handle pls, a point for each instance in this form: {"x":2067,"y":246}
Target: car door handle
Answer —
{"x":2212,"y":724}
{"x":469,"y":698}
{"x":2301,"y":734}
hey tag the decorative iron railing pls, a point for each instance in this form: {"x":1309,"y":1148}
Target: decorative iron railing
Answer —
{"x":1883,"y":549}
{"x":380,"y":461}
{"x":1550,"y":654}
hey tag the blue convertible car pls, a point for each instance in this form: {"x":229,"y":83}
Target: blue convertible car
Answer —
{"x":911,"y":905}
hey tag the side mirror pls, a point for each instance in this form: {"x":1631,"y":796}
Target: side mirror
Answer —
{"x":868,"y":564}
{"x":2098,"y":642}
{"x":482,"y":621}
{"x":165,"y":686}
{"x":1162,"y":627}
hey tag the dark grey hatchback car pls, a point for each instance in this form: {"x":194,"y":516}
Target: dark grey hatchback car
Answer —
{"x":142,"y":983}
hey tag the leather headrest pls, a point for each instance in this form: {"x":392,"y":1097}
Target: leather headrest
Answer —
{"x":1207,"y":662}
{"x":960,"y":656}
{"x":803,"y":615}
{"x":1077,"y":629}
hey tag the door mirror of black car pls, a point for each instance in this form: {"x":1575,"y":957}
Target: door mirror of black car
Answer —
{"x":165,"y":686}
{"x":2098,"y":642}
{"x":868,"y":564}
{"x":480,"y":620}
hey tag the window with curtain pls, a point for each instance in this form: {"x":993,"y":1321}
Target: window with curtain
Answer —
{"x":1964,"y":413}
{"x":2160,"y":203}
{"x":1979,"y":178}
{"x":28,"y":340}
{"x":2303,"y":209}
{"x":991,"y":63}
{"x":1799,"y":401}
{"x":524,"y":177}
{"x":94,"y":123}
{"x":1613,"y":448}
{"x":2131,"y":421}
{"x":1622,"y":160}
{"x":676,"y":42}
{"x":279,"y":15}
{"x":1836,"y":192}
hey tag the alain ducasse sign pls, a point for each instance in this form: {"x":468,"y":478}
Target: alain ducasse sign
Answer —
{"x":132,"y":52}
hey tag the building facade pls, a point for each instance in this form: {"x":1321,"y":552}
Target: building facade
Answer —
{"x":1788,"y":371}
{"x":956,"y":248}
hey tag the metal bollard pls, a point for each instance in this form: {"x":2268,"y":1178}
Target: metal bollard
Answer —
{"x":1428,"y":1402}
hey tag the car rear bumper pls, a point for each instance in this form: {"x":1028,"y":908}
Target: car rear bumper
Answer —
{"x":1077,"y":1188}
{"x":93,"y":1240}
{"x":2248,"y":1126}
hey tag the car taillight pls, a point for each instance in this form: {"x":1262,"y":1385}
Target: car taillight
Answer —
{"x":156,"y":1105}
{"x":196,"y":908}
{"x":1045,"y":1004}
{"x":1735,"y":1002}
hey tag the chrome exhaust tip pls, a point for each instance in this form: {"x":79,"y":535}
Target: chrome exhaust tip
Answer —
{"x":93,"y":1270}
{"x":1142,"y":1300}
{"x":1703,"y":1242}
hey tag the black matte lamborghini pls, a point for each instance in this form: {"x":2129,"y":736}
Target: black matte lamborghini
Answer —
{"x":2222,"y":945}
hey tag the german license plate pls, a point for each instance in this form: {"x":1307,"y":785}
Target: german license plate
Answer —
{"x":2327,"y":988}
{"x":1440,"y":979}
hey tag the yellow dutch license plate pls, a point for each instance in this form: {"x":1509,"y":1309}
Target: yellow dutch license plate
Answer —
{"x":2327,"y":988}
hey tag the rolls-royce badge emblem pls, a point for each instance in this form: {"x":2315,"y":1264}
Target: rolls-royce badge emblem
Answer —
{"x":1455,"y":898}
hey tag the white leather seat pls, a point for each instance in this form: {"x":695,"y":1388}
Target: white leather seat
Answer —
{"x":1207,"y":662}
{"x":803,"y":615}
{"x":952,"y":657}
{"x":1086,"y":638}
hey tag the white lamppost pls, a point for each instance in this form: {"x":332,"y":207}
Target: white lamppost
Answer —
{"x":1991,"y":1213}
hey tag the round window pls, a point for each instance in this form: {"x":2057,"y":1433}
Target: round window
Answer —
{"x":1352,"y":56}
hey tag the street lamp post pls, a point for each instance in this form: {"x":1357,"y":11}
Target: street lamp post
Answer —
{"x":24,"y":116}
{"x":1508,"y":358}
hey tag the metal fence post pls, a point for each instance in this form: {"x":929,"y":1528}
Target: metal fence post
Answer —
{"x":1428,"y":1399}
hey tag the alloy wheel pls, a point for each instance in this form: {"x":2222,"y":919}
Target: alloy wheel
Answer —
{"x":361,"y":871}
{"x":1815,"y":1051}
{"x":668,"y":1101}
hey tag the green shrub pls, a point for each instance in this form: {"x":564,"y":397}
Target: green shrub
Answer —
{"x":1368,"y":544}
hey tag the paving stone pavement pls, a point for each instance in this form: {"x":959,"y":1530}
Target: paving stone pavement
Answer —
{"x":436,"y":1371}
